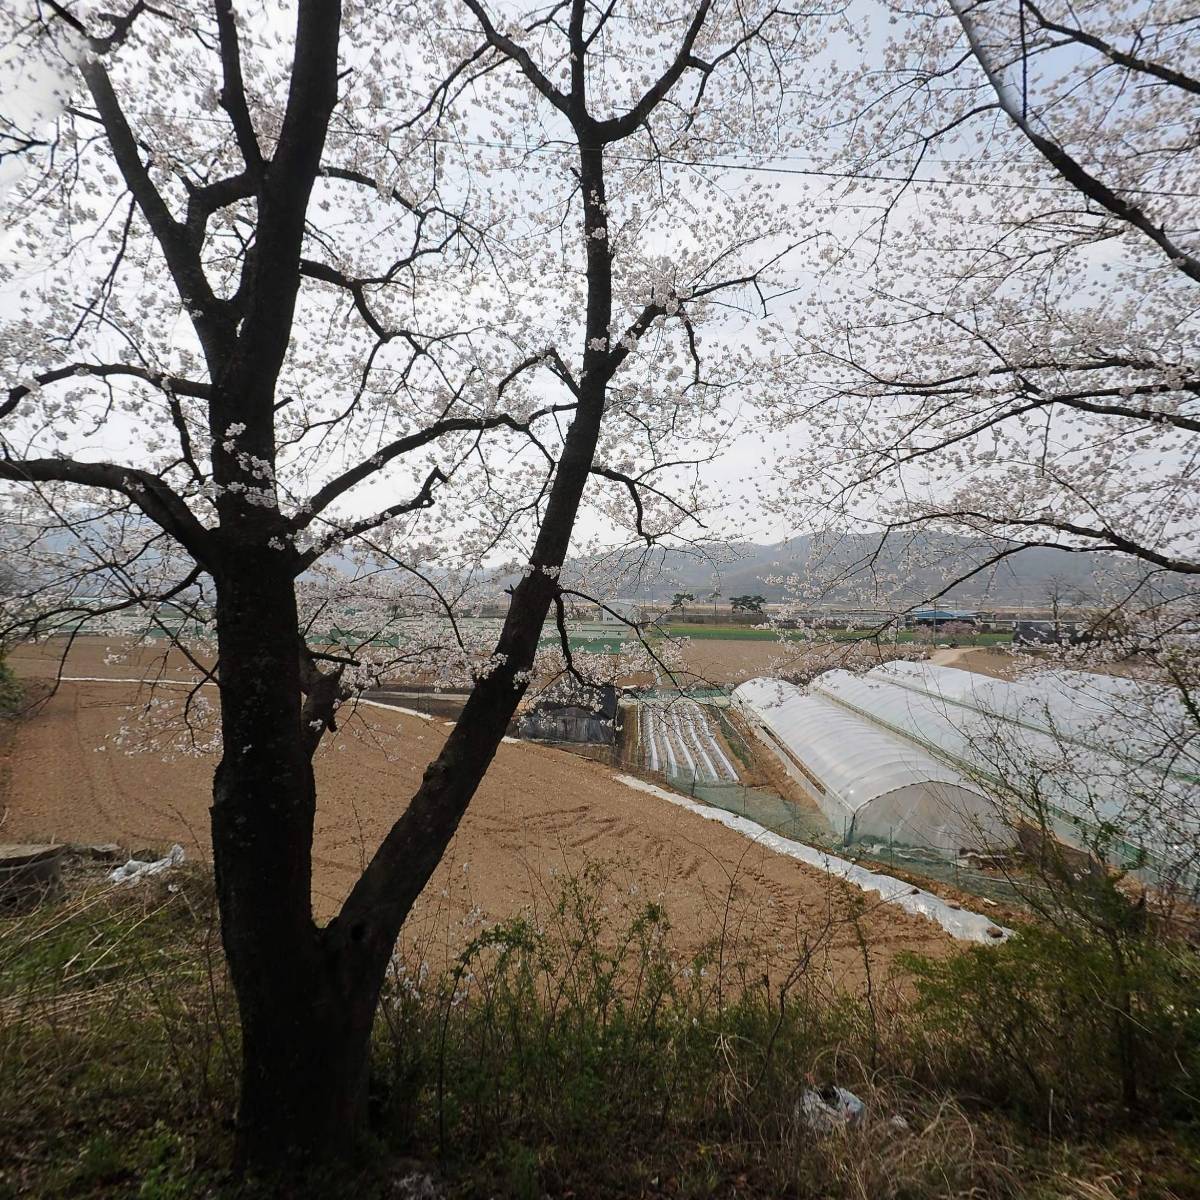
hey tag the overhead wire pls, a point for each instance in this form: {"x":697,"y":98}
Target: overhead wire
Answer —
{"x":772,"y":167}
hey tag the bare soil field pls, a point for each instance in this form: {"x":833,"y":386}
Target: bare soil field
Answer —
{"x":1002,"y":664}
{"x":998,"y":664}
{"x":710,"y":660}
{"x":105,"y":762}
{"x":731,"y":662}
{"x":101,"y":657}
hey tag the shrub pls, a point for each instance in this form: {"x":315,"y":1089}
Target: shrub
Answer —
{"x":10,"y":691}
{"x":572,"y":1052}
{"x":1055,"y":1024}
{"x":569,"y":1050}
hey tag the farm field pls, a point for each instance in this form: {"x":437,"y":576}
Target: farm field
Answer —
{"x":727,"y":662}
{"x":719,"y":662}
{"x":92,"y":764}
{"x":718,"y":656}
{"x":678,"y":741}
{"x":754,"y":633}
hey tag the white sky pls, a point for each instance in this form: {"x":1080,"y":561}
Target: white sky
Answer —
{"x":32,"y":91}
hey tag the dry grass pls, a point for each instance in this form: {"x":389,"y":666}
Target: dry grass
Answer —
{"x":570,"y":1052}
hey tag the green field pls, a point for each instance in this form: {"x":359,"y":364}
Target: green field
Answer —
{"x":749,"y":633}
{"x":592,"y":645}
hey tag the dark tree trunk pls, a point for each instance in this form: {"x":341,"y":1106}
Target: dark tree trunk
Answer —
{"x":305,"y":1016}
{"x":307,"y":996}
{"x":305,"y":1051}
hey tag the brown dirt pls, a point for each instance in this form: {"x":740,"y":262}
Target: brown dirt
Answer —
{"x":709,"y":659}
{"x":999,"y":664}
{"x":100,"y":762}
{"x":1003,"y":664}
{"x":100,"y":657}
{"x":733,"y":662}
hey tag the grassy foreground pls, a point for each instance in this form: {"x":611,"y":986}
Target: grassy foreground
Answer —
{"x":574,"y":1055}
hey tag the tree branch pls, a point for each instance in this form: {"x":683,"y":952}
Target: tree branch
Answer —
{"x":233,"y":91}
{"x":405,"y":445}
{"x":1067,"y":166}
{"x":151,"y":494}
{"x":1118,"y":57}
{"x":168,"y":383}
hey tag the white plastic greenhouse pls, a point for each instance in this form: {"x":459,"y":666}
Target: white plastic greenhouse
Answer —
{"x":869,"y":783}
{"x":1134,"y":719}
{"x":1086,"y":753}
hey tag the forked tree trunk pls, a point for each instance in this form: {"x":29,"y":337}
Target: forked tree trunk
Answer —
{"x":307,"y":996}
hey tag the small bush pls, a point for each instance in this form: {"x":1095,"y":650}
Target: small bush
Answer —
{"x":10,"y":691}
{"x":573,"y":1052}
{"x":1056,"y":1025}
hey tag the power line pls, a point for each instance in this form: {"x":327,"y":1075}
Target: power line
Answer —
{"x":815,"y":172}
{"x":772,"y":169}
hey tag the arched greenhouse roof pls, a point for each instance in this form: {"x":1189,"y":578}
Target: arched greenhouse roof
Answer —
{"x":868,"y":782}
{"x":1132,"y":719}
{"x":1007,"y":736}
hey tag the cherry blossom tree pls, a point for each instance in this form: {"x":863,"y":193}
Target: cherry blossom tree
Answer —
{"x":1006,"y":350}
{"x":405,"y":287}
{"x":1004,"y":357}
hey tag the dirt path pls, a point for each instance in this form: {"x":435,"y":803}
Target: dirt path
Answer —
{"x":104,"y":762}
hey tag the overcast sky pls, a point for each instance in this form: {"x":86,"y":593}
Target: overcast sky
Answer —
{"x":30,"y":95}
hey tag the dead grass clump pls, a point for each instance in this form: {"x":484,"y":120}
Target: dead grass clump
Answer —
{"x":118,"y":1038}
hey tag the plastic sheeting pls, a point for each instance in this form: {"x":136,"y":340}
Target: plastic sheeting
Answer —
{"x":958,"y":922}
{"x":677,"y":740}
{"x":869,"y":783}
{"x":1132,"y":719}
{"x":1085,"y":754}
{"x":136,"y":869}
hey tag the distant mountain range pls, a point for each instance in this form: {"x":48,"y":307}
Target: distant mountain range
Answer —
{"x":856,"y":571}
{"x":853,"y":572}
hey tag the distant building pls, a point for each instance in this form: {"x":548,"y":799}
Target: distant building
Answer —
{"x":943,"y":616}
{"x":614,"y":612}
{"x":1049,"y":633}
{"x":611,"y":612}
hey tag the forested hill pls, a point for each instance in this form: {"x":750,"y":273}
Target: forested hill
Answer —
{"x":856,"y":570}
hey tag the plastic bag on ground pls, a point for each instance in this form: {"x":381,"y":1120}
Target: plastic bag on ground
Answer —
{"x":135,"y":870}
{"x":830,"y":1108}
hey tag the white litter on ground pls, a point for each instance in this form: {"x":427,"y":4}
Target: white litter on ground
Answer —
{"x":135,"y":870}
{"x":958,"y":922}
{"x":830,"y":1108}
{"x":164,"y":682}
{"x":410,"y":712}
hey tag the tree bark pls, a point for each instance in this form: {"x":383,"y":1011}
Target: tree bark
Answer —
{"x":305,"y":1063}
{"x":306,"y":1021}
